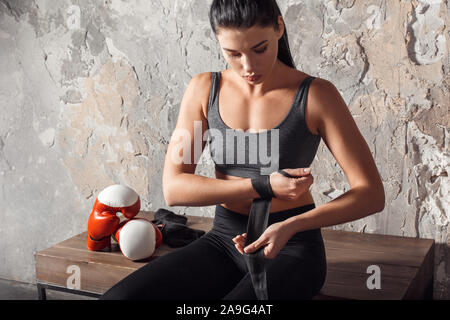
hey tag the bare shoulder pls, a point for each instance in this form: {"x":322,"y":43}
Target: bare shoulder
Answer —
{"x":325,"y":104}
{"x":322,"y":91}
{"x":202,"y":79}
{"x":201,"y":84}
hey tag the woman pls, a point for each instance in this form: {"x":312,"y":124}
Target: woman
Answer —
{"x":260,"y":93}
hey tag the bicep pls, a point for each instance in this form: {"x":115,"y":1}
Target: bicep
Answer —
{"x":342,"y":136}
{"x":186,"y":143}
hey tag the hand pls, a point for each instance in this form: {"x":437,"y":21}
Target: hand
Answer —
{"x":274,"y":238}
{"x":285,"y":188}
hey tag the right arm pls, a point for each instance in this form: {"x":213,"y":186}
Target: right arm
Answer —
{"x":181,"y":186}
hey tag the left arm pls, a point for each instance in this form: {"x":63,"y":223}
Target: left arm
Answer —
{"x":340,"y":133}
{"x":342,"y":137}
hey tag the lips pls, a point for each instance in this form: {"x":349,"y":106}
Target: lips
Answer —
{"x":253,"y":78}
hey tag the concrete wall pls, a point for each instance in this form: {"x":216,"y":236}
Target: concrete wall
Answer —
{"x":90,"y":91}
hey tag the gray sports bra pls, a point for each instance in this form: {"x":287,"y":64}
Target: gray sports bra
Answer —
{"x":245,"y":154}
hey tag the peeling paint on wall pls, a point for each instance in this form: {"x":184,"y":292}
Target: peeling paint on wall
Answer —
{"x":101,"y":146}
{"x":90,"y":93}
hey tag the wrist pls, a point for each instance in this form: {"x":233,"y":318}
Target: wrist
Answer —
{"x":261,"y":185}
{"x":294,"y":224}
{"x":288,"y":227}
{"x":252,"y":193}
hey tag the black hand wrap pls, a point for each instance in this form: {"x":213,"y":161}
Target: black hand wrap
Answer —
{"x":284,"y":173}
{"x":174,"y":230}
{"x":261,"y":185}
{"x":257,"y":223}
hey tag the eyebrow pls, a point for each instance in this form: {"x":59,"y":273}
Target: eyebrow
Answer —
{"x":251,"y":48}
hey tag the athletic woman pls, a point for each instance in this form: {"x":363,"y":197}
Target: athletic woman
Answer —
{"x":261,"y":97}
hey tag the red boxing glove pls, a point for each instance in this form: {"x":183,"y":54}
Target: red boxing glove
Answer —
{"x":138,"y":238}
{"x":103,"y":221}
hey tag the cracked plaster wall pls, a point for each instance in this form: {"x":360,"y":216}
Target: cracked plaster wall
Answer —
{"x":90,"y":91}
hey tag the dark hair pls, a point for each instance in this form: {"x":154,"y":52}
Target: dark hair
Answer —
{"x":243,"y":14}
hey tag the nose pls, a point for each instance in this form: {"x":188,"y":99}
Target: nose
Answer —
{"x":248,"y":65}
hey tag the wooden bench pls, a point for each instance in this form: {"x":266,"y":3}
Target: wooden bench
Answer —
{"x":405,"y":265}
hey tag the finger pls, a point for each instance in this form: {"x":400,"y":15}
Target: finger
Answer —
{"x":241,"y":242}
{"x":253,"y":246}
{"x":268,"y":251}
{"x":308,"y":178}
{"x":298,"y":172}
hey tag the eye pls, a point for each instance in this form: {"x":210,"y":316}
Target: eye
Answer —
{"x":261,"y":51}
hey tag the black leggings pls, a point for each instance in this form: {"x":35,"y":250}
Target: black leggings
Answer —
{"x":211,"y":268}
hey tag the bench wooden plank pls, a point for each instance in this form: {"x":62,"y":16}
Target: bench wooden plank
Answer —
{"x":376,"y":242}
{"x":361,"y":256}
{"x":423,"y":282}
{"x":99,"y":271}
{"x":337,"y":285}
{"x":94,"y":277}
{"x":406,"y":264}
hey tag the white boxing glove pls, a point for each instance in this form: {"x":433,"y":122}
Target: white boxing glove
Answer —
{"x":138,"y":238}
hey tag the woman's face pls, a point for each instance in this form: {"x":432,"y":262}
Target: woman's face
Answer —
{"x":251,"y":51}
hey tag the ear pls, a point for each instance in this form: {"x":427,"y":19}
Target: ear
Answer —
{"x":280,"y":27}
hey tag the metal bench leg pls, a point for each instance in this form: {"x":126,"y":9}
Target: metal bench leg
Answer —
{"x":42,"y":295}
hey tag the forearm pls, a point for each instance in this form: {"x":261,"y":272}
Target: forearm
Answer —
{"x":354,"y":204}
{"x":196,"y":191}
